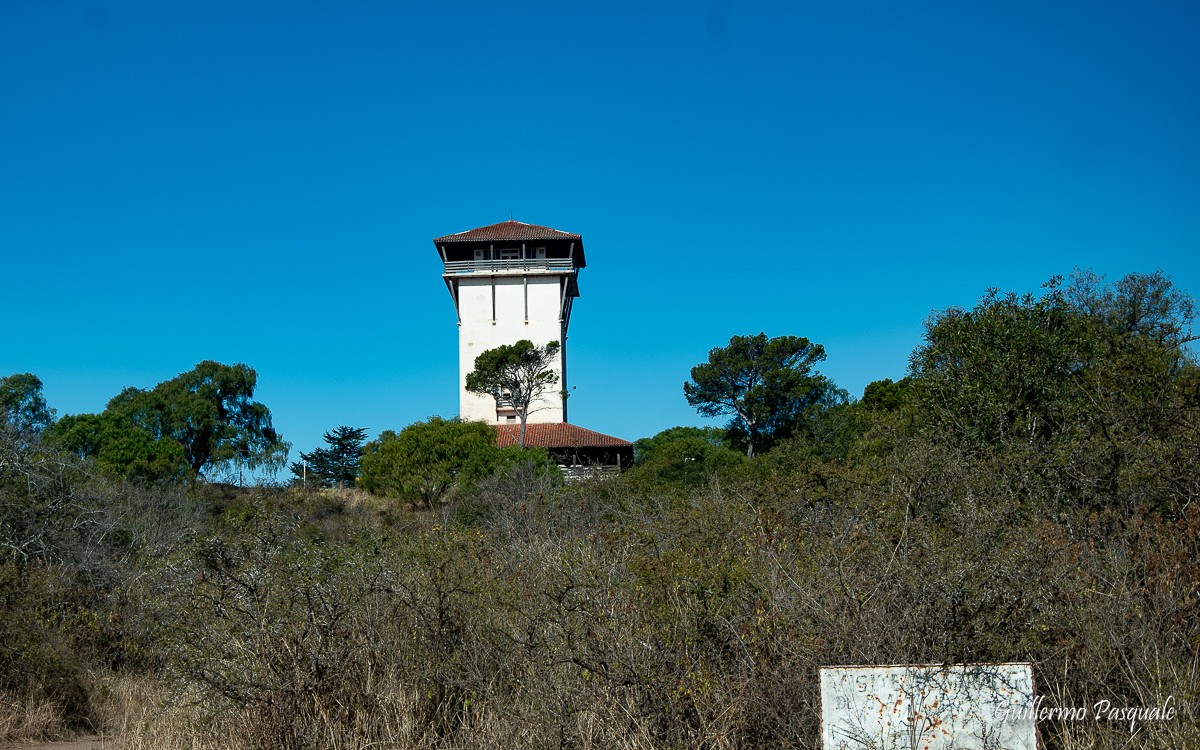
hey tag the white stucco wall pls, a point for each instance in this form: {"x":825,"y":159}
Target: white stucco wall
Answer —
{"x":478,"y":332}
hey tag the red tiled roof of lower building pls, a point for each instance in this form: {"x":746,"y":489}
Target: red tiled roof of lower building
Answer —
{"x":556,"y":435}
{"x":508,"y":230}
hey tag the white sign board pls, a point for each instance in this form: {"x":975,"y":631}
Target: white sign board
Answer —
{"x":969,"y":707}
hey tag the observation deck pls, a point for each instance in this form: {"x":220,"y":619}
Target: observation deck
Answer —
{"x":510,"y":265}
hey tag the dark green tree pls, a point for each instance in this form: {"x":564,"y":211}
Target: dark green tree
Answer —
{"x":516,"y":374}
{"x":1087,"y":389}
{"x":425,"y":460}
{"x":768,"y":386}
{"x":886,"y":395}
{"x":645,"y":449}
{"x":119,"y":448}
{"x":1145,"y":305}
{"x":1006,"y":369}
{"x":22,"y":406}
{"x":338,"y":464}
{"x":210,"y":412}
{"x":685,"y":455}
{"x":1034,"y":366}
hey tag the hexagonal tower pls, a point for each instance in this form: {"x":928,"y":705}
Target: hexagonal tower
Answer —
{"x":511,"y":281}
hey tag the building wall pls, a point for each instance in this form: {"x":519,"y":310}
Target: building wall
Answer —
{"x":526,"y":307}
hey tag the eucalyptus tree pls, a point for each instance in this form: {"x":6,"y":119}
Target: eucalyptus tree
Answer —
{"x":211,"y":413}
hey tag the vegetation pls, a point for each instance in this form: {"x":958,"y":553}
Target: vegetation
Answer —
{"x":337,"y":465}
{"x":686,"y":456}
{"x":23,"y":408}
{"x":119,"y":448}
{"x":426,"y":461}
{"x":210,"y":412}
{"x":201,"y":421}
{"x":1026,"y":494}
{"x":516,"y":374}
{"x":767,"y":385}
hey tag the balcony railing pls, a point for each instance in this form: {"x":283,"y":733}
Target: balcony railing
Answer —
{"x":580,"y":473}
{"x":518,"y":265}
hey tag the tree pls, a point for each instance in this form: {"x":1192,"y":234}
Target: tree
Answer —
{"x":1004,"y":369}
{"x":685,"y":455}
{"x":339,"y":463}
{"x":767,"y":385}
{"x":518,"y":374}
{"x":22,"y":405}
{"x":210,"y":412}
{"x":885,"y":395}
{"x":425,"y":460}
{"x":1033,"y":366}
{"x":1087,"y":389}
{"x":120,"y":449}
{"x":1146,"y":305}
{"x":646,"y":449}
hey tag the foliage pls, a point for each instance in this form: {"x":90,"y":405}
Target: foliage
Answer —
{"x":644,"y":449}
{"x":264,"y":622}
{"x":337,"y":465}
{"x":1004,"y":370}
{"x":210,"y":412}
{"x":768,"y":386}
{"x":685,"y":455}
{"x":1089,"y":387}
{"x":831,"y":434}
{"x":65,"y":549}
{"x":42,"y":498}
{"x":521,"y":479}
{"x":425,"y":460}
{"x":1148,"y":306}
{"x":1029,"y":367}
{"x":516,"y":374}
{"x":22,"y":406}
{"x":120,"y":449}
{"x":887,"y":395}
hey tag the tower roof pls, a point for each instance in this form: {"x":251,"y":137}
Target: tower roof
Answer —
{"x":567,"y":244}
{"x":508,"y":230}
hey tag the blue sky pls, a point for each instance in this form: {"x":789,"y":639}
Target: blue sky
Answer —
{"x":259,"y":182}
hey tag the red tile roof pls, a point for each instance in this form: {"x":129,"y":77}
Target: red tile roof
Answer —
{"x":556,"y":435}
{"x":508,"y":230}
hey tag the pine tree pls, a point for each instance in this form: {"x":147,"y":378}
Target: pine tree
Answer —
{"x":337,"y":465}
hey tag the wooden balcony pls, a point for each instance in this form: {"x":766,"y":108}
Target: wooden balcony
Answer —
{"x":516,"y":265}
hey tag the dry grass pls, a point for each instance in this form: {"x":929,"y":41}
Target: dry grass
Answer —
{"x":143,"y":713}
{"x":28,"y":717}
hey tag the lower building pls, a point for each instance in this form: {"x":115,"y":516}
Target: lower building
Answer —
{"x":578,"y":451}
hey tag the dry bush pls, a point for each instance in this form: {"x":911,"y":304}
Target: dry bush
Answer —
{"x":628,"y":614}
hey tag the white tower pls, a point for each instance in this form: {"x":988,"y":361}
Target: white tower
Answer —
{"x":511,"y":281}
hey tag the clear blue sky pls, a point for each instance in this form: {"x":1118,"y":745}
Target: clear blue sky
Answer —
{"x":259,"y":182}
